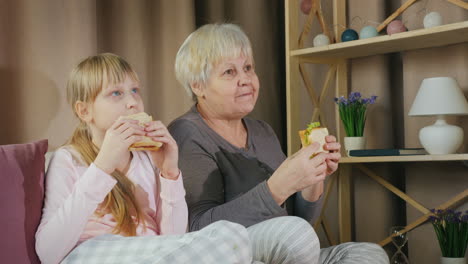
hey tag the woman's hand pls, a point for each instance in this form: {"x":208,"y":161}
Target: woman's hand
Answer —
{"x":333,"y":157}
{"x":117,"y":139}
{"x":313,"y":193}
{"x":167,"y":157}
{"x":298,"y":172}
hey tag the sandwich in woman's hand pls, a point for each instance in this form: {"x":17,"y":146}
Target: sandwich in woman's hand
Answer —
{"x":314,"y":133}
{"x":146,"y":143}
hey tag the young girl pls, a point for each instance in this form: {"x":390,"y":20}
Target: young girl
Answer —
{"x":106,"y":204}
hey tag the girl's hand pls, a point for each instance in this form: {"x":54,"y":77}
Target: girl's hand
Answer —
{"x":114,"y":148}
{"x":334,"y":156}
{"x":298,"y":172}
{"x":167,"y":157}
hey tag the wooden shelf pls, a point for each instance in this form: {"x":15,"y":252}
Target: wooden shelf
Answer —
{"x":414,"y":39}
{"x":412,"y":158}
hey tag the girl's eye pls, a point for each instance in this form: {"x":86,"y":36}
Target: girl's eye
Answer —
{"x":135,"y":90}
{"x":229,"y":72}
{"x":116,"y":93}
{"x":248,"y":67}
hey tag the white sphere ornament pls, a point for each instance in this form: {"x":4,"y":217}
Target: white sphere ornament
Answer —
{"x":433,"y":19}
{"x":368,"y":32}
{"x":321,"y":40}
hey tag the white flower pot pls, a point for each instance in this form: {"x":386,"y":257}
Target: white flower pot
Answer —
{"x":444,"y":260}
{"x":351,"y":143}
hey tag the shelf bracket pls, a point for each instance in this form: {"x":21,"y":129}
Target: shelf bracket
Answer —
{"x":398,"y":12}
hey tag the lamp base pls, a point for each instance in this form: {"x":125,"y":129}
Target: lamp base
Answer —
{"x":441,"y":138}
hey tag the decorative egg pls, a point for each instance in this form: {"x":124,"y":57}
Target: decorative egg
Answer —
{"x":433,"y":19}
{"x":368,"y":32}
{"x":306,"y":5}
{"x":321,"y":40}
{"x":396,"y":26}
{"x":349,"y":34}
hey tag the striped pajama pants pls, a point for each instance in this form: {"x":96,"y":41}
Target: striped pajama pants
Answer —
{"x":285,"y":240}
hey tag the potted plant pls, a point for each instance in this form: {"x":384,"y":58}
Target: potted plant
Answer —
{"x":451,"y":228}
{"x":353,"y":115}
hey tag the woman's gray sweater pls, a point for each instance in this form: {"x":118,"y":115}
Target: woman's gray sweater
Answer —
{"x":224,"y":182}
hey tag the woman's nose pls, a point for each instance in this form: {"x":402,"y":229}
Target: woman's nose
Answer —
{"x":245,"y":79}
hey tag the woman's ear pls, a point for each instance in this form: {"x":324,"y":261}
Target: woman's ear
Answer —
{"x":197,"y":89}
{"x":83,"y":110}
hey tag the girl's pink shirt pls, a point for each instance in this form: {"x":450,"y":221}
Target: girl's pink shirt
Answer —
{"x":75,"y":191}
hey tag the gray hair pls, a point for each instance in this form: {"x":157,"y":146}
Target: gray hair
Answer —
{"x":206,"y":47}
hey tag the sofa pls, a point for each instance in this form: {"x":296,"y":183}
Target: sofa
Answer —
{"x":22,"y":169}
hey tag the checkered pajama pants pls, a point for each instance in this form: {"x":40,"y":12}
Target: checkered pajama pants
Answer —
{"x":220,"y":242}
{"x":289,"y":240}
{"x":281,"y":240}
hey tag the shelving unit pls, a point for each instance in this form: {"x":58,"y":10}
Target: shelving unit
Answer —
{"x":336,"y":56}
{"x":415,"y":158}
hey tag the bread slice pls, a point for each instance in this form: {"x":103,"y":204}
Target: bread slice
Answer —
{"x":147,"y":143}
{"x":311,"y":135}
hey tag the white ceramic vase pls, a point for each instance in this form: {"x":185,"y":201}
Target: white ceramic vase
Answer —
{"x":351,"y":143}
{"x":444,"y":260}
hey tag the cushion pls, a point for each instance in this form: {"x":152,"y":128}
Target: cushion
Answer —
{"x":21,"y":200}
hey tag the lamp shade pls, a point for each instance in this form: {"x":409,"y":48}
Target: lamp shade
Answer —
{"x":439,"y":96}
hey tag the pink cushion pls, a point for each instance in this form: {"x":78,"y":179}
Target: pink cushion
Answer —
{"x":21,"y":198}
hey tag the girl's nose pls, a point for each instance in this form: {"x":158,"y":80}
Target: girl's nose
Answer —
{"x":131,"y":102}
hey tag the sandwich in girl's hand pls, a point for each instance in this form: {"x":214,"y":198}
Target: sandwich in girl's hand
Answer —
{"x":147,"y":143}
{"x":314,"y":133}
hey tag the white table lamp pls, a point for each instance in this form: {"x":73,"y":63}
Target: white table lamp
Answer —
{"x":440,"y":96}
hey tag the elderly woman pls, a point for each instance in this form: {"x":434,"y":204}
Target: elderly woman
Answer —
{"x":233,"y":165}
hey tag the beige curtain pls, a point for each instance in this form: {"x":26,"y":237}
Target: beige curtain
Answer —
{"x":42,"y":41}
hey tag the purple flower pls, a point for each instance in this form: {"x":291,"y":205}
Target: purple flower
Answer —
{"x":452,"y":230}
{"x":354,"y":97}
{"x":353,"y":112}
{"x":343,"y":100}
{"x":464,"y":218}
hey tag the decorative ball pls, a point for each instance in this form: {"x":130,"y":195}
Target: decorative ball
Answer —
{"x":349,"y":34}
{"x":396,"y":26}
{"x":433,"y":19}
{"x":368,"y":32}
{"x":306,"y":5}
{"x":321,"y":40}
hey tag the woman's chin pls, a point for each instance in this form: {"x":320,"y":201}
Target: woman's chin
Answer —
{"x":242,"y":112}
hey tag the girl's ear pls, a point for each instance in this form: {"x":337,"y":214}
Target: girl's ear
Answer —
{"x":83,"y":110}
{"x":197,"y":89}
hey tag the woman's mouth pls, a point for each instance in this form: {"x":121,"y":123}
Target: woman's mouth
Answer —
{"x":246,"y":94}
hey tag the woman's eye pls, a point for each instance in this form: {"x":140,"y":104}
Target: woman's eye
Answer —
{"x":116,"y":93}
{"x":248,"y":68}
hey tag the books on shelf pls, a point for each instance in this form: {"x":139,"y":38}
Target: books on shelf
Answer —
{"x":387,"y":152}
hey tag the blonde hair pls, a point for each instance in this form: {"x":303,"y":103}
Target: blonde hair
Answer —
{"x":206,"y":47}
{"x":84,"y":84}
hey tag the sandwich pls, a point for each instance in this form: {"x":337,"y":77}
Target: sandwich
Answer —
{"x":314,"y":133}
{"x":146,"y":143}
